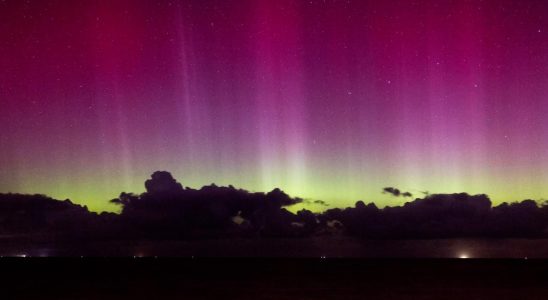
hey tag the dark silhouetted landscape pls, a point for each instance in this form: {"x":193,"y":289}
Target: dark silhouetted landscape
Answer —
{"x":172,"y":220}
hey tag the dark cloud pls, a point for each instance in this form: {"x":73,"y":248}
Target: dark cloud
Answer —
{"x":167,"y":210}
{"x":162,"y":182}
{"x":396,"y":192}
{"x":321,"y":202}
{"x":47,"y":218}
{"x":391,"y":190}
{"x":315,"y":202}
{"x":444,"y":216}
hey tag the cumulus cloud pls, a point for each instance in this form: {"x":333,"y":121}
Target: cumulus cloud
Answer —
{"x":445,"y":216}
{"x":169,"y":210}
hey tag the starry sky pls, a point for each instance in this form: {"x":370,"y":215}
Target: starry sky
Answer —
{"x":328,"y":99}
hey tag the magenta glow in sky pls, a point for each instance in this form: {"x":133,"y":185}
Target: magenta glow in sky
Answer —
{"x":329,"y":100}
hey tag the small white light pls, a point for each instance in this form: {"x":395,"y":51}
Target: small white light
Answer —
{"x":463,"y":256}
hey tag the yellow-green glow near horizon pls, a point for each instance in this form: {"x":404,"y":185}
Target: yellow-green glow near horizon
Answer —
{"x":333,"y":188}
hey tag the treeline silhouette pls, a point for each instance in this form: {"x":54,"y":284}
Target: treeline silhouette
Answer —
{"x":167,"y":210}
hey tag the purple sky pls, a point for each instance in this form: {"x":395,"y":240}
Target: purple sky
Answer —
{"x":329,"y":100}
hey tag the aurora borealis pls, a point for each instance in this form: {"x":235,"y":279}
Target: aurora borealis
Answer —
{"x":330,"y":100}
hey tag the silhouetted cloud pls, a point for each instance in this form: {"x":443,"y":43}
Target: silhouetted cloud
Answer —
{"x":47,"y":218}
{"x":321,"y":202}
{"x":315,"y":202}
{"x":396,"y":192}
{"x":167,"y":210}
{"x":445,"y":215}
{"x":391,"y":190}
{"x":162,"y":182}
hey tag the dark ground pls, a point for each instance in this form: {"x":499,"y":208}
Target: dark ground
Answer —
{"x":332,"y":246}
{"x":237,"y":278}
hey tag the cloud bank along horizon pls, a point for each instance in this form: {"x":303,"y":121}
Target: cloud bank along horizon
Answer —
{"x":330,"y":100}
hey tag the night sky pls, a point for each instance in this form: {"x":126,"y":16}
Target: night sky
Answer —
{"x":330,"y":100}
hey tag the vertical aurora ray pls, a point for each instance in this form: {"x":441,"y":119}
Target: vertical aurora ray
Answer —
{"x":279,"y":97}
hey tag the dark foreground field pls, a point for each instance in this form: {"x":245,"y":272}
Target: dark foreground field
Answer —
{"x":316,"y":268}
{"x":313,"y":247}
{"x":157,"y":278}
